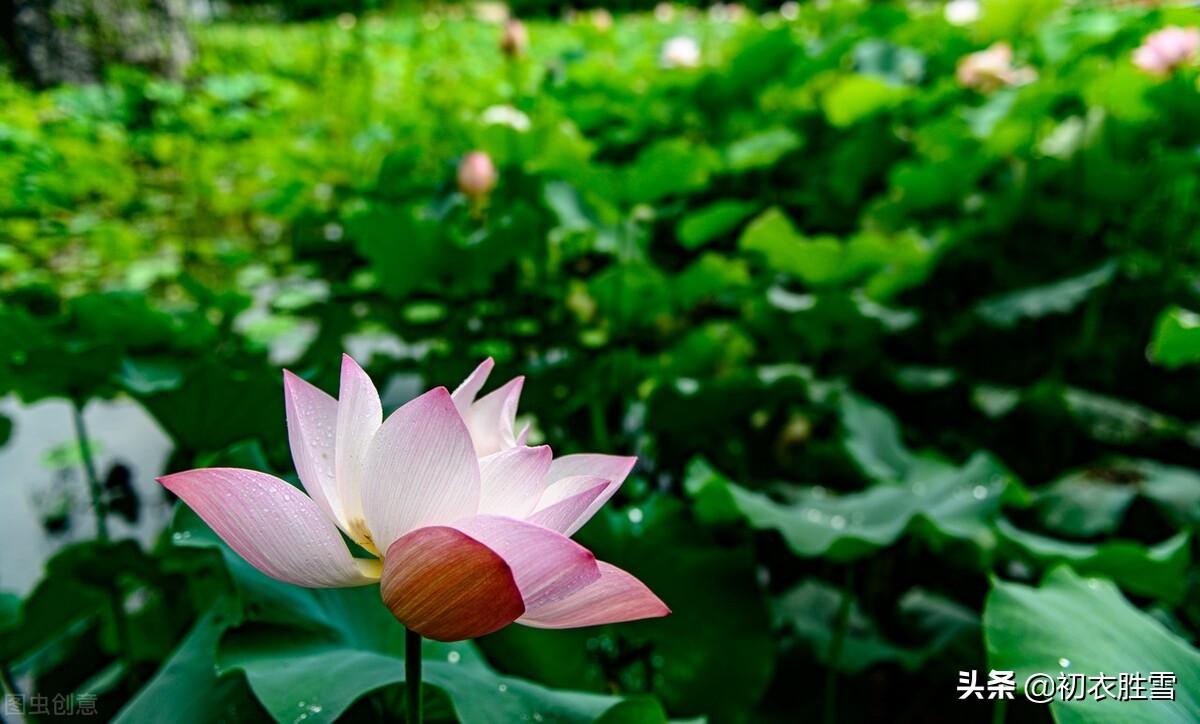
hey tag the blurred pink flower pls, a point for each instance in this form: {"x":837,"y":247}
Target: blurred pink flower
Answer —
{"x":992,"y":68}
{"x":514,"y":40}
{"x":476,"y":175}
{"x":1165,"y":50}
{"x":469,"y":526}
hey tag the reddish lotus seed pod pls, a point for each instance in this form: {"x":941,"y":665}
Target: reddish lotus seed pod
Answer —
{"x":515,"y":39}
{"x":476,"y":175}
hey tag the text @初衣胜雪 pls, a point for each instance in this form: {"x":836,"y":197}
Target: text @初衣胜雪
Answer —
{"x":1043,"y":687}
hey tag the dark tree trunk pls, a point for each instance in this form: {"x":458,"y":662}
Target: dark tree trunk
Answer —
{"x":70,"y":41}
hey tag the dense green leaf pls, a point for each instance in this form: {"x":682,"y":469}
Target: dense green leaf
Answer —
{"x":1176,"y":339}
{"x":1158,"y":570}
{"x":1056,"y":628}
{"x":1056,"y":298}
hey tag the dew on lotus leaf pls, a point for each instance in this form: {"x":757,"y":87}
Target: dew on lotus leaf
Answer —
{"x":1064,"y":663}
{"x":502,"y":688}
{"x":635,"y":515}
{"x":980,"y":492}
{"x":453,"y":657}
{"x":837,"y":522}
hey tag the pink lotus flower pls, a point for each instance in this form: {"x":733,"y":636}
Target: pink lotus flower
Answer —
{"x":476,"y":175}
{"x":469,"y":526}
{"x":992,"y":68}
{"x":1165,"y":50}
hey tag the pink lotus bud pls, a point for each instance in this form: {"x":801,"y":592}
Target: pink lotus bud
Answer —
{"x":1165,"y":50}
{"x":476,"y":175}
{"x":992,"y":68}
{"x":515,"y":39}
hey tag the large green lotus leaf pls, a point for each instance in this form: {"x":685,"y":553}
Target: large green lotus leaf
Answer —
{"x":1115,"y":421}
{"x":711,"y":279}
{"x":218,"y":404}
{"x":631,"y":295}
{"x":872,"y":438}
{"x":895,"y":64}
{"x":316,"y":651}
{"x":1094,"y":500}
{"x":295,"y":673}
{"x":710,"y":222}
{"x":1060,"y":297}
{"x":187,"y":688}
{"x":1174,"y":489}
{"x":762,"y":149}
{"x":1159,"y":571}
{"x":1084,"y":626}
{"x":958,"y":503}
{"x":713,"y":655}
{"x":145,"y":376}
{"x":401,"y":246}
{"x":857,"y":97}
{"x":816,"y":261}
{"x":125,"y":317}
{"x":1001,"y":19}
{"x":76,"y":593}
{"x":10,"y":609}
{"x":670,"y":167}
{"x":809,"y":611}
{"x":1084,"y":504}
{"x":1176,"y":339}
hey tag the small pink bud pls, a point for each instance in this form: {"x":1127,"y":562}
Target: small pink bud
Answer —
{"x":992,"y":68}
{"x":515,"y":39}
{"x":476,"y":175}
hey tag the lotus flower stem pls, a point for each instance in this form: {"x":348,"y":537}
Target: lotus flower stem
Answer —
{"x":841,"y":625}
{"x":412,"y":675}
{"x":99,"y":506}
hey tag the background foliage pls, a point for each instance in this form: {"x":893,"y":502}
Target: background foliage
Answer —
{"x":909,"y":367}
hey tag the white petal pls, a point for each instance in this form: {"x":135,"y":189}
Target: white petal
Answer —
{"x":420,"y":470}
{"x":512,"y":481}
{"x":610,"y":467}
{"x":570,"y":513}
{"x":466,"y":392}
{"x":275,"y":527}
{"x":571,"y":502}
{"x":359,"y":416}
{"x":312,"y":433}
{"x":616,"y":597}
{"x":491,"y":419}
